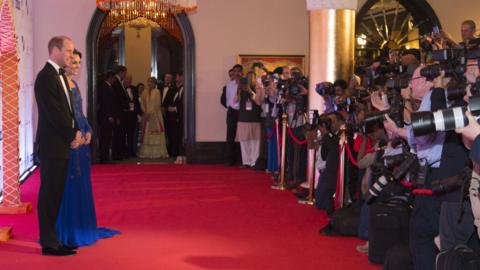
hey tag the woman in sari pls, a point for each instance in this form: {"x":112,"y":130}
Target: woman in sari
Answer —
{"x":153,"y":130}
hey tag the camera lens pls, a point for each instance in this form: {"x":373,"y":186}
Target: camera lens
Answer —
{"x":454,"y":93}
{"x":372,"y":119}
{"x":431,"y":72}
{"x":450,"y":119}
{"x":422,"y":123}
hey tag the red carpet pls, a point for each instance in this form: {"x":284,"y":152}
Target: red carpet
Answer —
{"x":189,"y":217}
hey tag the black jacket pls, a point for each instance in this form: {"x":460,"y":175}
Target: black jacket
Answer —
{"x":137,"y":109}
{"x":106,"y":101}
{"x":121,"y":98}
{"x":55,"y":131}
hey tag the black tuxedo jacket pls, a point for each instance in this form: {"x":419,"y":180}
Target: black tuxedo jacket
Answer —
{"x":223,"y":97}
{"x":136,"y":102}
{"x":106,"y":102}
{"x":121,"y":98}
{"x":55,"y":131}
{"x":171,"y":88}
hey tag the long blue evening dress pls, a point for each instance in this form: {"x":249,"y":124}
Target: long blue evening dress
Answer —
{"x":77,"y":222}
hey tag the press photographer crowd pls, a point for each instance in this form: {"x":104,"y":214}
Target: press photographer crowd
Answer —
{"x":396,"y":149}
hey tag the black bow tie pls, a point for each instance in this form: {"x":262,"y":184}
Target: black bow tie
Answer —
{"x":61,"y":71}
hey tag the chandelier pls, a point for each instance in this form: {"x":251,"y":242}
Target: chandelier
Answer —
{"x":147,"y":7}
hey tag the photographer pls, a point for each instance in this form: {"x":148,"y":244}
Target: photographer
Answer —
{"x":327,"y":182}
{"x":270,"y":111}
{"x":293,"y":91}
{"x":342,"y":100}
{"x":445,"y":156}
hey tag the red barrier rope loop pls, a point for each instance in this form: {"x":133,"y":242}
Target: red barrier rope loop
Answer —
{"x":297,"y":141}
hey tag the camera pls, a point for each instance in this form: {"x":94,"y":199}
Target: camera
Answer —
{"x":325,"y":88}
{"x":265,"y":81}
{"x":406,"y":163}
{"x":395,"y":113}
{"x":295,"y":82}
{"x":451,"y":70}
{"x":395,"y":68}
{"x":313,"y":120}
{"x":397,"y":83}
{"x":424,"y":123}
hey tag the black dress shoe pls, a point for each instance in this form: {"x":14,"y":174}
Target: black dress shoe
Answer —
{"x":57,"y":252}
{"x":69,"y":247}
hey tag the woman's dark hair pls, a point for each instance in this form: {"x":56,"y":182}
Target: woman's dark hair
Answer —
{"x":142,"y":84}
{"x":77,"y":52}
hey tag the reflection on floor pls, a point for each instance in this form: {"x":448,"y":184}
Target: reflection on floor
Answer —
{"x":138,"y":161}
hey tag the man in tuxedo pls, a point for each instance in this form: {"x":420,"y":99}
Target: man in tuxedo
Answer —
{"x":134,"y":110}
{"x":107,"y":115}
{"x":121,"y":109}
{"x":173,"y":106}
{"x":167,"y":88}
{"x":57,"y":132}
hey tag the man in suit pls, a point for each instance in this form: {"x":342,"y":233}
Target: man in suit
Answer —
{"x":232,"y":113}
{"x":57,"y":132}
{"x":167,"y":90}
{"x":107,"y":115}
{"x":173,"y":106}
{"x":121,"y":109}
{"x":134,"y":110}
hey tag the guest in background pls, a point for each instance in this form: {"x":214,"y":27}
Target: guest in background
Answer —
{"x":77,"y":221}
{"x":248,"y":129}
{"x":138,"y":129}
{"x":232,"y":106}
{"x":107,"y":115}
{"x":121,"y":108}
{"x":167,"y":89}
{"x":270,"y":110}
{"x":153,"y":130}
{"x":132,"y":114}
{"x":179,"y":105}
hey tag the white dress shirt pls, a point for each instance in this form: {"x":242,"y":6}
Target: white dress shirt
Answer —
{"x":231,"y":93}
{"x":65,"y":89}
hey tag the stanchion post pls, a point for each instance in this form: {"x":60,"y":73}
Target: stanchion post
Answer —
{"x":281,"y":185}
{"x":310,"y":177}
{"x":343,"y":142}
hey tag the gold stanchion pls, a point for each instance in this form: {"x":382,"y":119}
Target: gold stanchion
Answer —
{"x":281,"y":185}
{"x":310,"y":176}
{"x":341,"y":171}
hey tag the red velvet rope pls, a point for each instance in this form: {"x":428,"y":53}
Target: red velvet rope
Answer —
{"x":352,"y":159}
{"x":297,"y":141}
{"x":406,"y":184}
{"x":422,"y":192}
{"x":350,"y":155}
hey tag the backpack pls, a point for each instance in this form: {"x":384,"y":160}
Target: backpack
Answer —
{"x":461,"y":257}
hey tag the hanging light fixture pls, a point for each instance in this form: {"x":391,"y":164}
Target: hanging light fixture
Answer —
{"x":150,"y":6}
{"x":161,"y":12}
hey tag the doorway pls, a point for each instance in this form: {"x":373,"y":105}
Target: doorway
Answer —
{"x":172,"y":46}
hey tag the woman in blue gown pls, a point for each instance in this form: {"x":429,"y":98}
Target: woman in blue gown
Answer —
{"x":77,"y":223}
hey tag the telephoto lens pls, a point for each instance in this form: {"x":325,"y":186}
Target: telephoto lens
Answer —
{"x":424,"y":123}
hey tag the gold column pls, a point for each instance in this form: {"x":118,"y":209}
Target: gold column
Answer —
{"x":332,"y":44}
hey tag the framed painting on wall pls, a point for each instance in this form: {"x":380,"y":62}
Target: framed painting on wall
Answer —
{"x":272,"y":61}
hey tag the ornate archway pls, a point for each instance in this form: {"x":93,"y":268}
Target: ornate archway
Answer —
{"x":188,"y":68}
{"x":393,"y":24}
